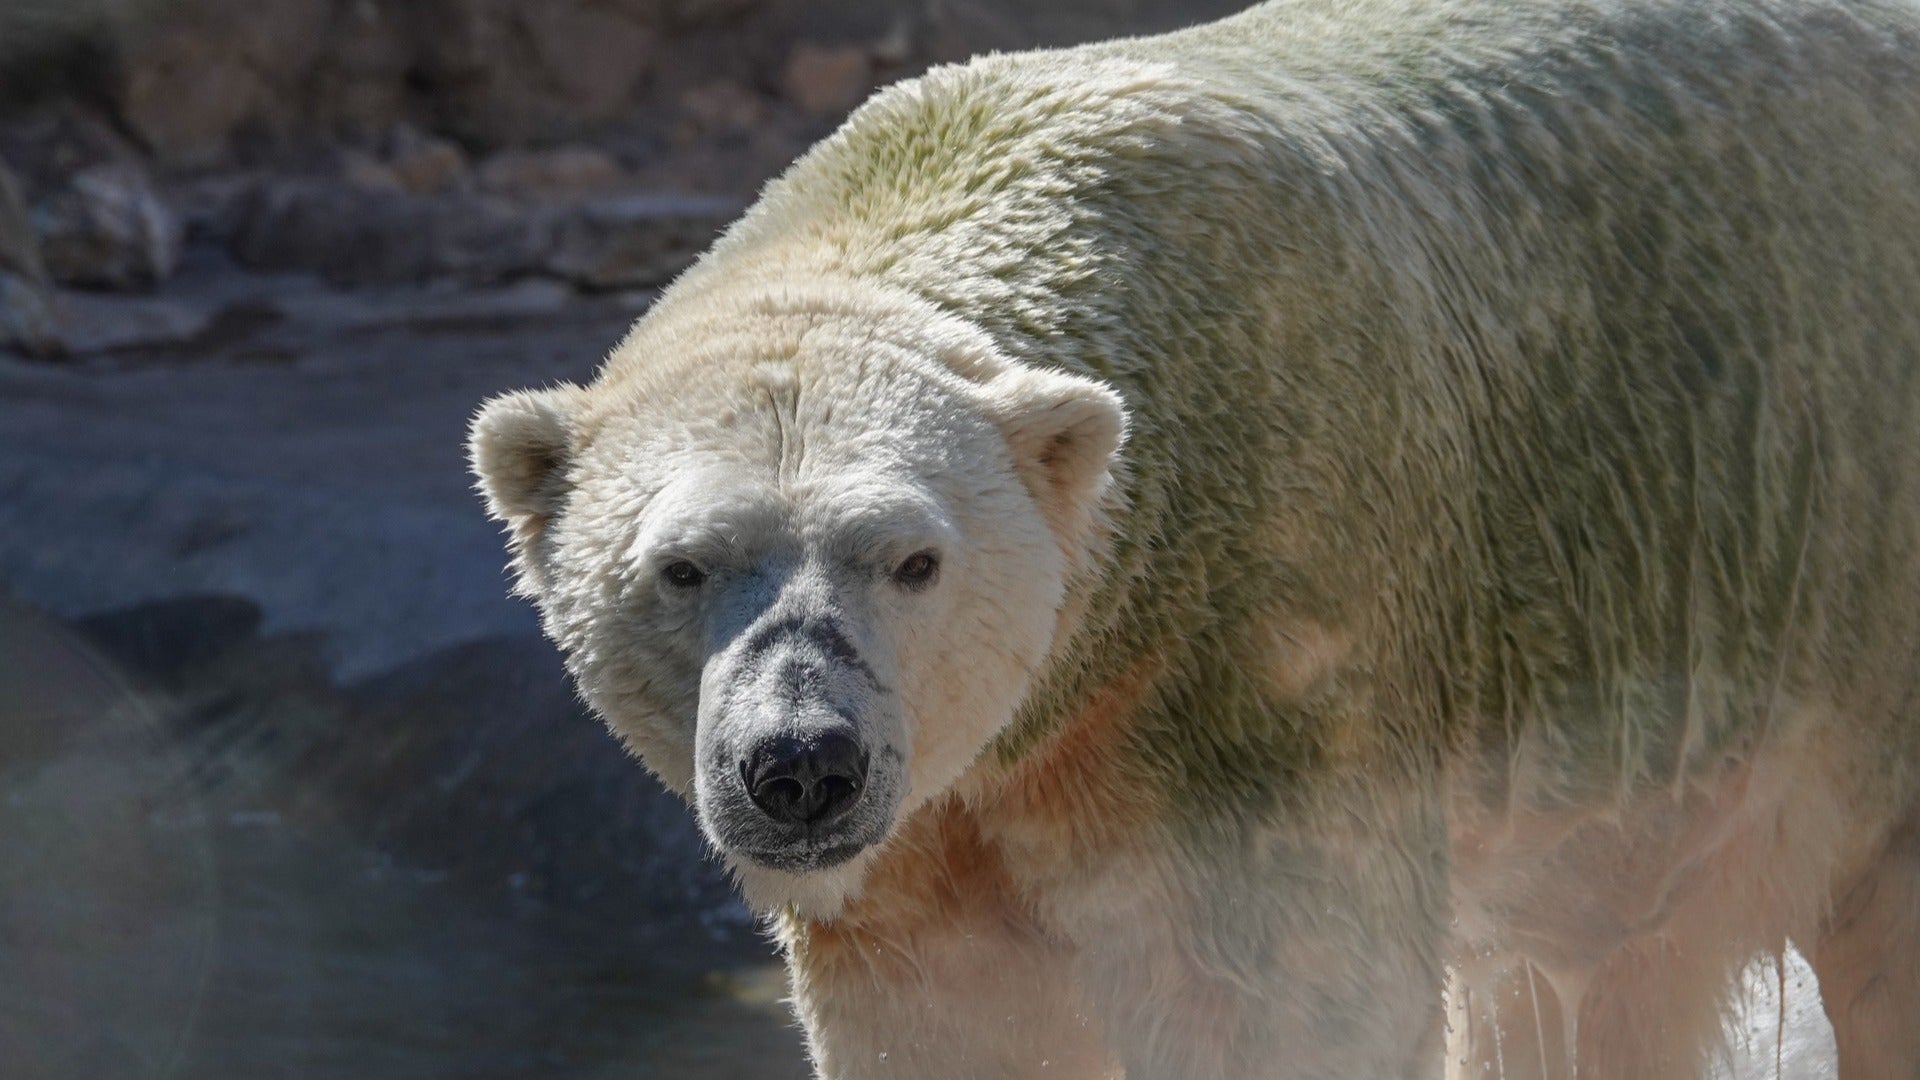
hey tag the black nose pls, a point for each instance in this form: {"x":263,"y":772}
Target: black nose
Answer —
{"x":806,"y":781}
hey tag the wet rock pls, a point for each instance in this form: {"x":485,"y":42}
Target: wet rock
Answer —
{"x":635,"y":241}
{"x":559,"y":173}
{"x":108,"y":228}
{"x":827,"y":80}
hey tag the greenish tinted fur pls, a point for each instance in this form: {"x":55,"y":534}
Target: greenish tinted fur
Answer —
{"x":1588,"y":399}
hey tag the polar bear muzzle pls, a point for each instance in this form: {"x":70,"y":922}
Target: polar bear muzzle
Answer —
{"x":799,"y":747}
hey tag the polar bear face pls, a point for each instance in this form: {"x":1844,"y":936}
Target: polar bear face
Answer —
{"x":806,"y":573}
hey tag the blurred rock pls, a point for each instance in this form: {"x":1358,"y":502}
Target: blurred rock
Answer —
{"x":500,"y":72}
{"x":477,"y":760}
{"x":209,"y":205}
{"x":198,"y":74}
{"x":108,"y":228}
{"x":211,"y":82}
{"x":592,"y":55}
{"x":482,"y":760}
{"x":353,"y":235}
{"x":719,"y":106}
{"x":362,"y":170}
{"x":45,"y":146}
{"x":689,"y":14}
{"x":422,"y":307}
{"x":198,"y":71}
{"x":161,"y":638}
{"x":26,"y":307}
{"x":827,"y":80}
{"x":563,"y":172}
{"x":83,"y":323}
{"x":425,"y":163}
{"x":635,"y":241}
{"x":19,"y":247}
{"x":27,"y":316}
{"x":357,"y":236}
{"x":362,"y":80}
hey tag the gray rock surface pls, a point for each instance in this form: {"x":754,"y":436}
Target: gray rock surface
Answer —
{"x":27,"y":315}
{"x":184,"y":813}
{"x":108,"y":228}
{"x":19,"y":247}
{"x":280,"y":536}
{"x":635,"y":241}
{"x":81,"y":323}
{"x":314,"y":468}
{"x":359,"y":234}
{"x":203,"y":82}
{"x":563,"y":172}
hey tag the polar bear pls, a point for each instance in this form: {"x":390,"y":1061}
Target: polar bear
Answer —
{"x":1148,"y":559}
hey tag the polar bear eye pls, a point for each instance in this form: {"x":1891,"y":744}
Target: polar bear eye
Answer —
{"x":918,"y":570}
{"x":683,"y":574}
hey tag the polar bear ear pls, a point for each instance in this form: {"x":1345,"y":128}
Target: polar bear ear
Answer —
{"x":1064,"y":433}
{"x":519,"y":449}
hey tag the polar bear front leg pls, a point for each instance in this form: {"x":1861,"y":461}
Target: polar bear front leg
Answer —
{"x":1308,"y":949}
{"x":974,"y":1004}
{"x":938,"y":972}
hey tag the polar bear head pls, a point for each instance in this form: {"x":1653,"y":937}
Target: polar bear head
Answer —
{"x":804,"y":550}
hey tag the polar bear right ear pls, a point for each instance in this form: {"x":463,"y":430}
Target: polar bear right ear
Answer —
{"x":519,"y":449}
{"x":1064,"y":432}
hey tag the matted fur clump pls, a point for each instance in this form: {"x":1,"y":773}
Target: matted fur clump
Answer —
{"x":1145,"y":558}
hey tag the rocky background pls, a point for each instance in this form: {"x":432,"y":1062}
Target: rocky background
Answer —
{"x":289,"y":786}
{"x":596,"y":143}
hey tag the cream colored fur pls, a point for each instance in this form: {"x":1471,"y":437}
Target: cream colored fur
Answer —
{"x":1419,"y":485}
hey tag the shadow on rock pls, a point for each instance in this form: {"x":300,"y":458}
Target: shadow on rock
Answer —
{"x":215,"y":862}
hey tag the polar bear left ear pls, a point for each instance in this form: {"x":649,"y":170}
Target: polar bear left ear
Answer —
{"x":1064,"y":432}
{"x":519,"y":447}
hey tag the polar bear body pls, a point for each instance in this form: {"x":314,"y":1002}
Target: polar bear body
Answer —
{"x":1512,"y":563}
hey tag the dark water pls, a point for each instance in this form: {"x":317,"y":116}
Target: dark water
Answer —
{"x":151,"y":928}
